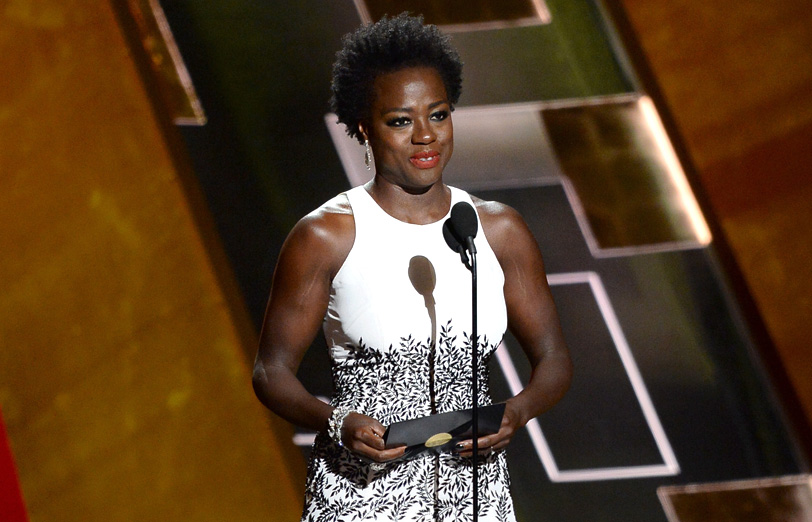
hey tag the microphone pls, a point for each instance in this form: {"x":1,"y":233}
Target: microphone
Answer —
{"x":460,"y":229}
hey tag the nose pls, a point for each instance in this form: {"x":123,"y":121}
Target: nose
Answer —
{"x":423,"y":132}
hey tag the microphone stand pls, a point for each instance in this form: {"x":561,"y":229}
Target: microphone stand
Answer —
{"x":459,"y":231}
{"x":474,"y":377}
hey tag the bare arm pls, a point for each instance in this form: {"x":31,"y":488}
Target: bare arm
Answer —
{"x":296,"y":306}
{"x":532,"y":318}
{"x":310,"y":258}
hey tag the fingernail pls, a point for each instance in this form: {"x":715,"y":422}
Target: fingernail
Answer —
{"x":459,"y":446}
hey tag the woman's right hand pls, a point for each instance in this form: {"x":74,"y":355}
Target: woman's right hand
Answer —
{"x":363,"y":435}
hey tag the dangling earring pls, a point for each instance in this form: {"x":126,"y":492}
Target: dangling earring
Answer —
{"x":367,"y":155}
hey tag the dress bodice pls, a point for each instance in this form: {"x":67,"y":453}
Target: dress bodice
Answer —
{"x":398,"y":323}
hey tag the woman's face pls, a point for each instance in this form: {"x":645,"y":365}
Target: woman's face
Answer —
{"x":410,"y":128}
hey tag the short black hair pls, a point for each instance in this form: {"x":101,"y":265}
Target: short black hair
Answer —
{"x":388,"y":45}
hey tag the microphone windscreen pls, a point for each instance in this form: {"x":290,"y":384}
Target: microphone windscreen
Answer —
{"x":463,"y":221}
{"x":451,"y":240}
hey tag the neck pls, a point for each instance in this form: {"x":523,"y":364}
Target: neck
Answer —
{"x":411,"y":206}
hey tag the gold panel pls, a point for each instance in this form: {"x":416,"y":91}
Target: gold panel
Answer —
{"x":459,"y":15}
{"x":780,"y":499}
{"x":630,"y":185}
{"x":737,"y":78}
{"x":124,"y":384}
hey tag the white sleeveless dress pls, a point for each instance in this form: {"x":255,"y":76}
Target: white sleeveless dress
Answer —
{"x":400,"y":312}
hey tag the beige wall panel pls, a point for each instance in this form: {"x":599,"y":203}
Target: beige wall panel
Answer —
{"x":737,"y":77}
{"x":123,"y":377}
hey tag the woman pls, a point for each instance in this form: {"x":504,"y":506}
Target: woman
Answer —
{"x":371,"y":267}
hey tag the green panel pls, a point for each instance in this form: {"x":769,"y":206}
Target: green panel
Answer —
{"x":572,"y":57}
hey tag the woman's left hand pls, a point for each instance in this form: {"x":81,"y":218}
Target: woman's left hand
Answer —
{"x":511,"y":423}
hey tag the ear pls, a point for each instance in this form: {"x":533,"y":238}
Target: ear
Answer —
{"x":363,"y":130}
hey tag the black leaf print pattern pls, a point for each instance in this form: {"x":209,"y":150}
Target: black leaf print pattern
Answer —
{"x":392,"y":384}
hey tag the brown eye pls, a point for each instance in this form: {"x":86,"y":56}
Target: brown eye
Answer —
{"x":398,"y":122}
{"x":439,"y":115}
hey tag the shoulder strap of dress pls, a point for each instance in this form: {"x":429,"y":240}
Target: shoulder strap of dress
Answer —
{"x":458,"y":195}
{"x":359,"y":199}
{"x":360,"y":202}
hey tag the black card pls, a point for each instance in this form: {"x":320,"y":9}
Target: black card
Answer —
{"x":437,"y":433}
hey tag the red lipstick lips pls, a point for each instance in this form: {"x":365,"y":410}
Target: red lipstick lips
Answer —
{"x":425,"y":160}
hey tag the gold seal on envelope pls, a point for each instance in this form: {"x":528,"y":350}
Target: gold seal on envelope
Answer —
{"x":438,"y":440}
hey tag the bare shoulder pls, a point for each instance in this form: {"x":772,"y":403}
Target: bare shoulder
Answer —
{"x":494,"y":210}
{"x":327,"y":233}
{"x":515,"y":247}
{"x":501,"y":224}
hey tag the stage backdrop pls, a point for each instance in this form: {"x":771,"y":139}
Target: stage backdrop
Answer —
{"x":668,"y":387}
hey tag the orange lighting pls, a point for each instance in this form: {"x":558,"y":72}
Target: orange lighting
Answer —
{"x":675,"y":171}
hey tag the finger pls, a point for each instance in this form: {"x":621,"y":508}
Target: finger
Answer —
{"x":470,"y":453}
{"x":482,"y":453}
{"x":393,"y":453}
{"x":378,"y":428}
{"x":463,"y":445}
{"x":484,"y":447}
{"x":501,"y":445}
{"x":365,"y":434}
{"x":383,"y":456}
{"x":481,"y":450}
{"x":373,"y":439}
{"x":368,"y":446}
{"x":482,"y":442}
{"x":499,"y":441}
{"x":486,"y":442}
{"x":464,"y":448}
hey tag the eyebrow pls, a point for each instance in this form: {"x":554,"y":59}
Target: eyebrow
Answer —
{"x":409,"y":110}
